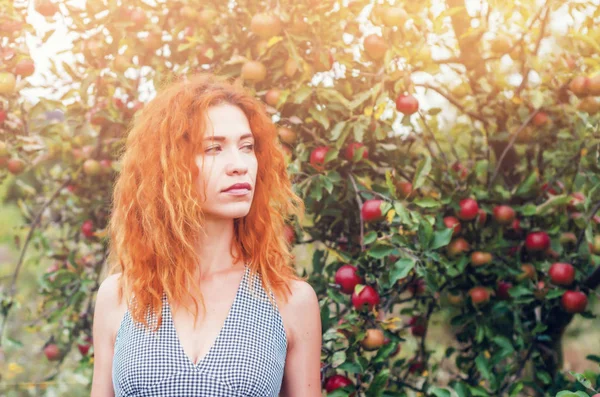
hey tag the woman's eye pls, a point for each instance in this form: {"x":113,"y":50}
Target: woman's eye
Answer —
{"x":250,"y":146}
{"x":211,"y":148}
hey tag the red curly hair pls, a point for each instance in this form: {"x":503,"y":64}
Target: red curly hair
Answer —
{"x":153,"y":229}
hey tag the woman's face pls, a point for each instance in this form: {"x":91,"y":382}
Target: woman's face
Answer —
{"x":229,"y":158}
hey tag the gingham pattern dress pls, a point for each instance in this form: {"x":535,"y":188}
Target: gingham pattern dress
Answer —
{"x":246,"y":359}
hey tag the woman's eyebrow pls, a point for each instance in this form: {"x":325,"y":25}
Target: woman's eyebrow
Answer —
{"x":222,"y":138}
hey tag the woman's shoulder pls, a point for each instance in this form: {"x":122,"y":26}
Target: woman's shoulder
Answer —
{"x":303,"y":299}
{"x":109,"y":303}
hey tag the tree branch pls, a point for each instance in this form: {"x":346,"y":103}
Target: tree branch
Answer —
{"x":510,"y":144}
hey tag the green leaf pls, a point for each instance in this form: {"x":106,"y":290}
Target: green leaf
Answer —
{"x":423,"y":169}
{"x":360,"y":98}
{"x":581,"y":379}
{"x":571,"y":394}
{"x":301,"y":94}
{"x":401,"y":268}
{"x":378,"y":384}
{"x":519,"y":290}
{"x":555,"y":293}
{"x":339,"y":357}
{"x":359,"y":131}
{"x":389,"y":183}
{"x":370,"y":237}
{"x":336,"y":131}
{"x":544,"y":377}
{"x":527,"y":184}
{"x":320,"y":116}
{"x":379,"y":251}
{"x":551,"y":203}
{"x":461,"y":389}
{"x":333,"y":95}
{"x":384,"y":352}
{"x":439,"y":392}
{"x":427,"y":202}
{"x":425,"y":233}
{"x":483,"y":366}
{"x":350,"y":367}
{"x":441,"y":238}
{"x":593,"y":357}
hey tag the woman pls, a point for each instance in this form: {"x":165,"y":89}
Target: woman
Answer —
{"x":199,"y":211}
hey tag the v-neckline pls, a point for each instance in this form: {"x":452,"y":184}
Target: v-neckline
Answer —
{"x":221,"y":331}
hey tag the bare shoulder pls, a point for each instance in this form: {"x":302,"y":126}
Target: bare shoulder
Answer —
{"x":108,"y":309}
{"x":304,"y":300}
{"x":303,"y":295}
{"x":109,"y":290}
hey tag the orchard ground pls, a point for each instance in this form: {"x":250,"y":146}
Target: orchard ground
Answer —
{"x":26,"y":369}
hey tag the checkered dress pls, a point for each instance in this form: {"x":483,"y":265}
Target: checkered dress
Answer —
{"x":247,"y":358}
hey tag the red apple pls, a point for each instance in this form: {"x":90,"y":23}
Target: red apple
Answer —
{"x":481,"y":217}
{"x":375,"y":46}
{"x":367,"y":296}
{"x":502,"y":290}
{"x":458,"y":246}
{"x":317,"y":157}
{"x":595,"y":245}
{"x":540,"y":119}
{"x":373,"y":340}
{"x":407,"y":104}
{"x":579,"y":85}
{"x":455,"y":298}
{"x":404,"y":189}
{"x":417,"y":287}
{"x":253,"y":71}
{"x":576,"y":202}
{"x":84,"y":348}
{"x":541,"y":290}
{"x":574,"y":301}
{"x":504,"y":214}
{"x":272,"y":97}
{"x":567,"y":238}
{"x":92,"y":167}
{"x":469,"y":209}
{"x":537,"y":241}
{"x":352,"y":147}
{"x":553,"y":190}
{"x":15,"y":166}
{"x":87,"y":228}
{"x":287,"y":135}
{"x":418,"y":325}
{"x":479,"y":258}
{"x":336,"y":382}
{"x":528,"y":272}
{"x":460,"y":170}
{"x":417,"y":366}
{"x":52,"y":352}
{"x":371,"y":210}
{"x":562,"y":273}
{"x":347,"y":278}
{"x":516,"y":226}
{"x":25,"y":67}
{"x":452,"y":222}
{"x":45,"y":7}
{"x":479,"y":295}
{"x":265,"y":25}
